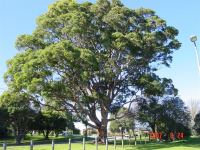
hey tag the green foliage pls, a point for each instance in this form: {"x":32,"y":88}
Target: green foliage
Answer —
{"x":92,"y":57}
{"x":4,"y":122}
{"x":76,"y":131}
{"x":197,"y":123}
{"x":47,"y":121}
{"x":176,"y":116}
{"x":165,"y":114}
{"x":20,"y":112}
{"x":126,"y":122}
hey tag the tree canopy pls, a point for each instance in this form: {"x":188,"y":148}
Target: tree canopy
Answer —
{"x":126,"y":123}
{"x":20,"y":112}
{"x":90,"y":57}
{"x":197,"y":123}
{"x":4,"y":122}
{"x":164,"y":114}
{"x":47,"y":121}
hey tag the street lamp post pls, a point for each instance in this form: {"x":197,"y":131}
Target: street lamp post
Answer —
{"x":193,"y":39}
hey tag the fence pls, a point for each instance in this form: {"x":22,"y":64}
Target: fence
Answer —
{"x":114,"y":143}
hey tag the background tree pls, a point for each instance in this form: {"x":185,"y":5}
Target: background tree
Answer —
{"x":150,"y":105}
{"x":176,"y":116}
{"x":20,"y":110}
{"x":89,"y":57}
{"x":126,"y":123}
{"x":194,"y":109}
{"x":165,"y":114}
{"x":51,"y":121}
{"x":149,"y":111}
{"x":197,"y":123}
{"x":4,"y":122}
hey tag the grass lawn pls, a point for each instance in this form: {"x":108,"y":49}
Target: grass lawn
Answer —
{"x":190,"y":144}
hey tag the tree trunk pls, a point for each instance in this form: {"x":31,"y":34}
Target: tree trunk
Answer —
{"x":153,"y":127}
{"x":18,"y":139}
{"x":46,"y":134}
{"x":102,"y":134}
{"x":19,"y":135}
{"x":102,"y":128}
{"x":86,"y":131}
{"x":122,"y":134}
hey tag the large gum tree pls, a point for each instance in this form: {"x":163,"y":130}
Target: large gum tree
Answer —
{"x":88,"y":58}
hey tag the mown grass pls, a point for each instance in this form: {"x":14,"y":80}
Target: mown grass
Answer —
{"x":62,"y":144}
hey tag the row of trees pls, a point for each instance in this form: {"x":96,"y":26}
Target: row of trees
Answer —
{"x":165,"y":115}
{"x":157,"y":114}
{"x":86,"y":58}
{"x":20,"y":115}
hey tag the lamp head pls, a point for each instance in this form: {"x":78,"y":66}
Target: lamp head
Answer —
{"x":193,"y":38}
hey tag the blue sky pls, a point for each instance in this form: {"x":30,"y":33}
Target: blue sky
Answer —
{"x":18,"y":17}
